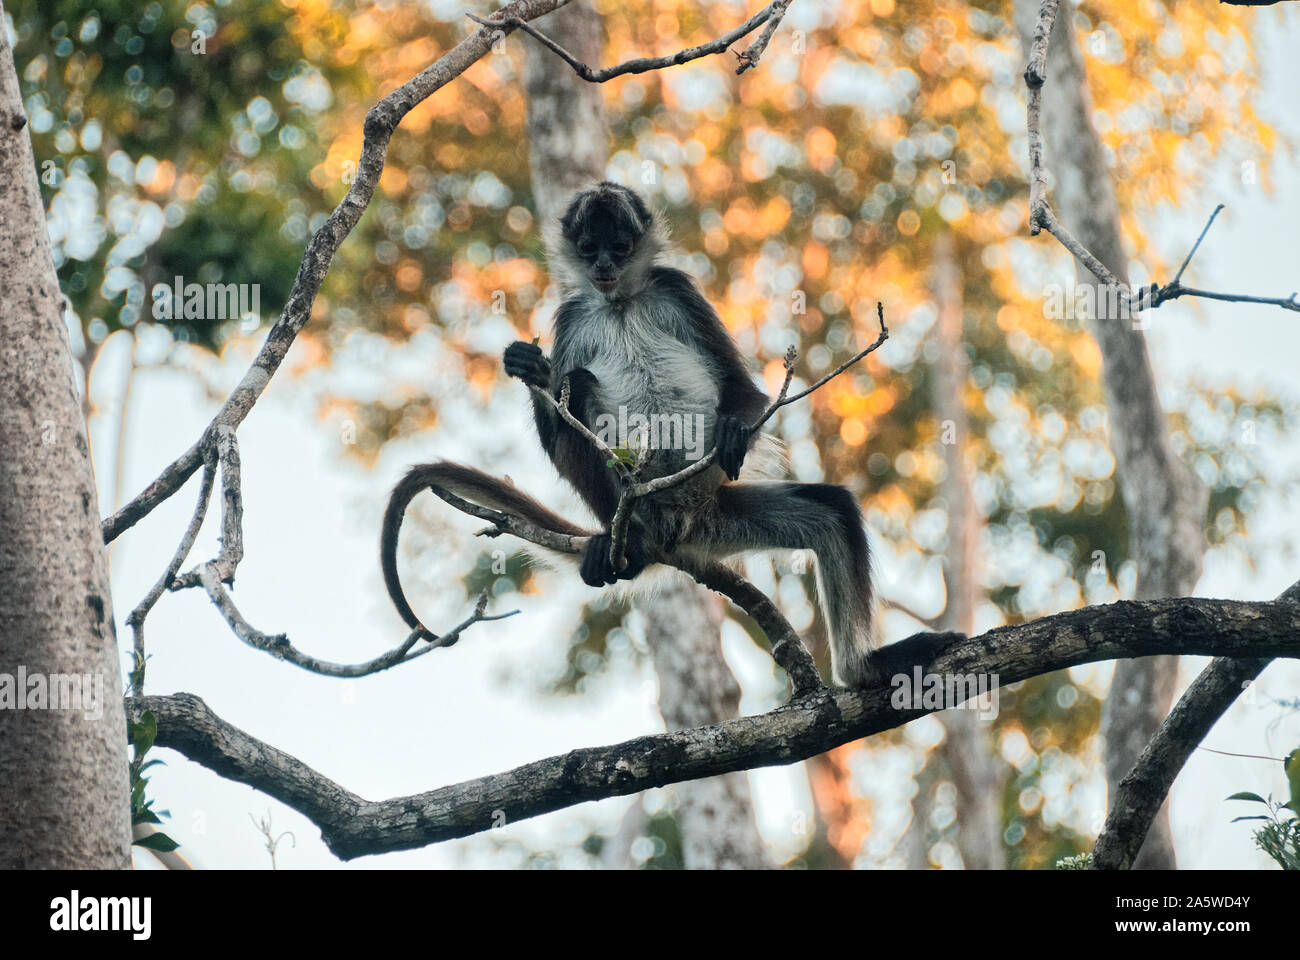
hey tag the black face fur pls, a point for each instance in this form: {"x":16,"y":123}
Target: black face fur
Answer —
{"x":604,"y":226}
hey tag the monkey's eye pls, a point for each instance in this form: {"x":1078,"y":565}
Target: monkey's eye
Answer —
{"x":622,"y":248}
{"x":586,"y":248}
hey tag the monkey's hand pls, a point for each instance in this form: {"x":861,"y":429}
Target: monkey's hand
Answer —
{"x":732,"y":440}
{"x":597,"y":568}
{"x":581,"y":382}
{"x":527,"y":362}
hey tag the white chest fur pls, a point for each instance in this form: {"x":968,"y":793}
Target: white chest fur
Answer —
{"x":646,"y":377}
{"x":639,"y":363}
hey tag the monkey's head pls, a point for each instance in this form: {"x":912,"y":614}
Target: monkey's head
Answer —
{"x":608,"y":239}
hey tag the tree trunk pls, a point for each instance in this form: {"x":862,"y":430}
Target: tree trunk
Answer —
{"x":568,"y":148}
{"x":568,"y":138}
{"x":1164,"y":502}
{"x":63,"y":771}
{"x":696,"y":688}
{"x":967,"y":747}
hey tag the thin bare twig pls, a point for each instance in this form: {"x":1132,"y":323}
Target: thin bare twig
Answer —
{"x":771,"y":14}
{"x":228,"y":558}
{"x":561,"y":406}
{"x":1197,"y":245}
{"x":1244,"y":756}
{"x":750,"y":56}
{"x":785,"y":401}
{"x":1041,"y":216}
{"x":137,"y":616}
{"x":279,"y":646}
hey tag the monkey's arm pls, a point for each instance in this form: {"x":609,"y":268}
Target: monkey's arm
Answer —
{"x":574,"y":457}
{"x":525,"y":361}
{"x":740,"y":402}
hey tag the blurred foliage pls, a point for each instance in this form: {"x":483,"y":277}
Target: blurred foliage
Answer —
{"x":207,"y":141}
{"x":154,"y":123}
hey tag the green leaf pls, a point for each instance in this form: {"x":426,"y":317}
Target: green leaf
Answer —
{"x":1247,"y":795}
{"x":145,"y":734}
{"x":158,"y":841}
{"x":1235,"y":819}
{"x":145,"y":816}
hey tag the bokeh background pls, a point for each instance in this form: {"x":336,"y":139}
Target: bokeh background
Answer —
{"x":878,"y":147}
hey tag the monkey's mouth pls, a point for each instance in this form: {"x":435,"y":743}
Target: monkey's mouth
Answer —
{"x":605,"y":284}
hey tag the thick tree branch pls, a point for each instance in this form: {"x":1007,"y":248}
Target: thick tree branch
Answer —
{"x":1141,"y":793}
{"x":353,"y":827}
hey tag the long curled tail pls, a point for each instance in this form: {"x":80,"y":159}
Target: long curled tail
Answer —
{"x":466,"y":482}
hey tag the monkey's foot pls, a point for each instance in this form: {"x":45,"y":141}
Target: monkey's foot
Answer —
{"x":597,"y":567}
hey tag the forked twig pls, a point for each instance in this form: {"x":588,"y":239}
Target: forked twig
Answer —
{"x":1041,"y":216}
{"x":771,"y":15}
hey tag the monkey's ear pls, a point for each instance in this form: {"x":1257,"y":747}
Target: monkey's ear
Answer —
{"x":643,"y":213}
{"x":568,"y":220}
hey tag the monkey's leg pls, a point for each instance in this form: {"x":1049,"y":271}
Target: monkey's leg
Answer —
{"x":820,"y":517}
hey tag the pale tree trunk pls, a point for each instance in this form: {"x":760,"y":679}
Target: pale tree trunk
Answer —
{"x":1164,"y":502}
{"x":967,"y":748}
{"x":696,"y":688}
{"x":568,"y":147}
{"x":568,"y":138}
{"x":914,"y":846}
{"x":63,"y":772}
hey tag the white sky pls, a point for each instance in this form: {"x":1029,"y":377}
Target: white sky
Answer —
{"x":311,"y":570}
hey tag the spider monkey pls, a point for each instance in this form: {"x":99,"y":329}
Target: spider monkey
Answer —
{"x":634,"y":336}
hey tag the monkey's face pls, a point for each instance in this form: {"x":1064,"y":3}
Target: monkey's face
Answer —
{"x":604,"y":228}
